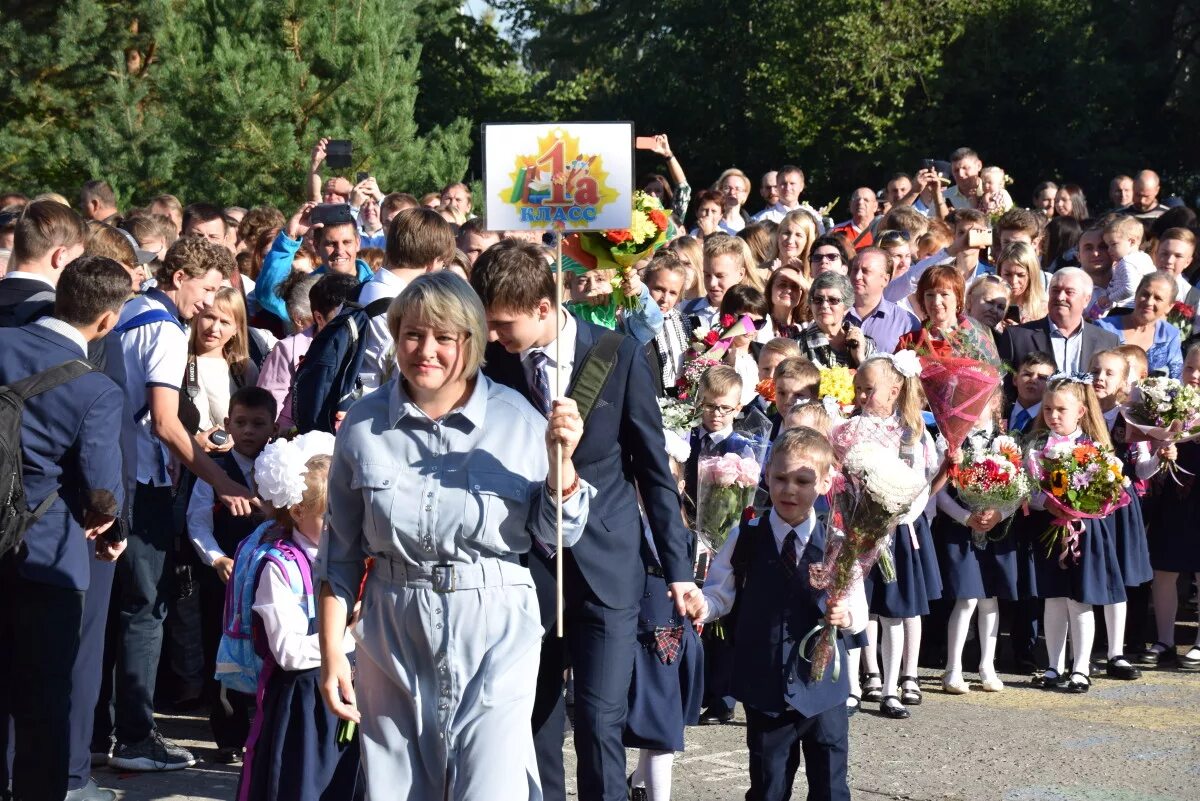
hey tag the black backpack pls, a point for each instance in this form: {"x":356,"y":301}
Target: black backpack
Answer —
{"x":327,"y":381}
{"x":15,"y":515}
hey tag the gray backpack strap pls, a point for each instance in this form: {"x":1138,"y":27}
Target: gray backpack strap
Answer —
{"x":593,"y":374}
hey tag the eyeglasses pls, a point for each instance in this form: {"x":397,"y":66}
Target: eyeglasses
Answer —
{"x":826,"y":300}
{"x":825,"y":257}
{"x":722,"y":411}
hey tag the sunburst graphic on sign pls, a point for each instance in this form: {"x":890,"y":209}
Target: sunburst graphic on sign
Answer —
{"x":558,"y":185}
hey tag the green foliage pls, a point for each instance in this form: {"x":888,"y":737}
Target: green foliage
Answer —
{"x":216,"y":99}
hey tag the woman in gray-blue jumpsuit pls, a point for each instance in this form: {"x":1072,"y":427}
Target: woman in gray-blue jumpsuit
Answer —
{"x":444,"y":478}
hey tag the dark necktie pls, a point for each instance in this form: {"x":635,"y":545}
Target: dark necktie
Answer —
{"x":1023,"y":418}
{"x":540,"y":388}
{"x":788,"y":554}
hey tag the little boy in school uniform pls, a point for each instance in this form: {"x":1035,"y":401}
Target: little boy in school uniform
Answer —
{"x":764,"y":567}
{"x":215,"y":534}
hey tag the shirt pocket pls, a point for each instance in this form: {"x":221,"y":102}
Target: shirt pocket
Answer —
{"x":496,"y":506}
{"x":378,"y":484}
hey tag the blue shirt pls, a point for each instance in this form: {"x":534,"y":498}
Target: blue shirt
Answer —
{"x":471,"y":486}
{"x":1067,"y":349}
{"x":1165,"y":354}
{"x":886,"y":324}
{"x":277,"y":266}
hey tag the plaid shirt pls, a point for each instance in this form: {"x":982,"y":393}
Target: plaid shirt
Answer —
{"x":814,"y":344}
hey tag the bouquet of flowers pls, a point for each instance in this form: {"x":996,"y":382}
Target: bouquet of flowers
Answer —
{"x":1183,"y":317}
{"x":958,"y":385}
{"x":1163,"y":411}
{"x":728,"y":479}
{"x":706,"y":349}
{"x":837,"y":383}
{"x":989,"y":475}
{"x":678,"y":416}
{"x":620,"y":249}
{"x":1081,"y":481}
{"x":874,"y":491}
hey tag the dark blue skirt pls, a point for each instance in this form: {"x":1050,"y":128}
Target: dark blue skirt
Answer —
{"x":970,"y":572}
{"x":663,"y":698}
{"x":1094,"y":578}
{"x":918,"y":579}
{"x":1133,"y":553}
{"x":292,"y":753}
{"x":1173,"y":516}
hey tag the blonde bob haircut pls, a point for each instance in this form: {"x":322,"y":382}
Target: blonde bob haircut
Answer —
{"x":446,"y":302}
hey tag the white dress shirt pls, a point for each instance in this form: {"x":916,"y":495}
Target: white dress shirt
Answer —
{"x":566,"y":337}
{"x":200,"y":512}
{"x":720,"y":589}
{"x":1017,"y":408}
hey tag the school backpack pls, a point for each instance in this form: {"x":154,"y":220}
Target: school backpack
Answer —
{"x":239,"y":661}
{"x":327,"y":381}
{"x":15,"y":515}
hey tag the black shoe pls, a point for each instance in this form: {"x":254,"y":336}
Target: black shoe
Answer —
{"x":1048,"y":680}
{"x":1124,"y":672}
{"x":872,"y":693}
{"x":1191,"y":660}
{"x":852,"y":708}
{"x":910,"y":696}
{"x":1078,"y":685}
{"x":894,"y":711}
{"x":91,"y":792}
{"x":228,"y":755}
{"x":635,"y":793}
{"x":153,"y":753}
{"x":715,"y":718}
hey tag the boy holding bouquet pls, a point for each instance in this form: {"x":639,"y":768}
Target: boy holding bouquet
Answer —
{"x":764,"y":567}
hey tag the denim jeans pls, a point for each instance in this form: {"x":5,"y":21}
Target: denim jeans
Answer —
{"x":144,"y":582}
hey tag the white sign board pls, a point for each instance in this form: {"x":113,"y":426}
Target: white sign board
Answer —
{"x":569,"y":176}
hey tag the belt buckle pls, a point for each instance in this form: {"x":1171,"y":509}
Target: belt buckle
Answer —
{"x":443,"y":578}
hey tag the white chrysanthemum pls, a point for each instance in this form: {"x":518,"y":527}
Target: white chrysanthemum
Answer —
{"x":280,"y":469}
{"x":677,"y":447}
{"x":887,"y":478}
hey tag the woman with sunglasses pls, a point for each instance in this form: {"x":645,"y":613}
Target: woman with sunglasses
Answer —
{"x":830,"y":253}
{"x":831,"y":339}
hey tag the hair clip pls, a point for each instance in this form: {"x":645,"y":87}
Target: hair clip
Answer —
{"x":280,"y":469}
{"x":906,"y":362}
{"x":1074,"y":378}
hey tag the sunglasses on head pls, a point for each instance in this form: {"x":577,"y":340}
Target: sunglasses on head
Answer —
{"x":894,"y":236}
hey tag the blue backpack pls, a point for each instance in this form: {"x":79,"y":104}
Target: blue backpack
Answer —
{"x":327,"y":381}
{"x":239,"y":660}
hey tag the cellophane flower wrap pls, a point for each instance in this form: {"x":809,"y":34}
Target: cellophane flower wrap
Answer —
{"x":990,"y":474}
{"x":1164,"y":411}
{"x":872,"y":493}
{"x":1183,"y":317}
{"x":1081,"y":481}
{"x":620,"y":249}
{"x":959,"y":379}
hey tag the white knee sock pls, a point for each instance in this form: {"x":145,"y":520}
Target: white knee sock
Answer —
{"x":870,"y":651}
{"x":989,"y":631}
{"x":1055,"y":617}
{"x":912,"y":645}
{"x":1083,"y":632}
{"x":956,"y":634}
{"x":1114,"y":623}
{"x":891,"y":648}
{"x":1166,"y":605}
{"x":853,"y":658}
{"x":658,"y":774}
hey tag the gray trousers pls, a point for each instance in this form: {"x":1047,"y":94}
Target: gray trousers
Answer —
{"x":445,"y":682}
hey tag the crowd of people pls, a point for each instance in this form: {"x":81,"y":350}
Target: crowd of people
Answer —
{"x":304,"y":470}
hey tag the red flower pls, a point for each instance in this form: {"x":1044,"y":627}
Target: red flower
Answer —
{"x":1183,"y":310}
{"x":618,"y":236}
{"x":711,"y":338}
{"x":726,"y":320}
{"x":658,"y":218}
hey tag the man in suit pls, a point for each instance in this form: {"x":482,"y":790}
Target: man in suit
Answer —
{"x":66,"y":448}
{"x":622,"y":454}
{"x":47,"y":237}
{"x":1062,"y":332}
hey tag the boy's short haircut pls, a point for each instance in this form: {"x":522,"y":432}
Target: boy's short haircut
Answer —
{"x":88,"y":287}
{"x":665,"y":261}
{"x":200,"y":213}
{"x":417,"y":238}
{"x":1183,"y":235}
{"x":1136,"y":358}
{"x":396,"y":202}
{"x":1126,"y":226}
{"x":331,"y":291}
{"x":168,"y":201}
{"x":905,"y":218}
{"x":717,"y":381}
{"x":807,"y":443}
{"x":790,"y":348}
{"x":196,"y":256}
{"x":725,"y":245}
{"x":1037,"y":358}
{"x":809,"y":415}
{"x":252,"y":397}
{"x":475,"y":226}
{"x":972,"y":216}
{"x":512,"y":276}
{"x":799,"y":369}
{"x":97,"y":190}
{"x":1020,"y":221}
{"x":43,"y":226}
{"x":963,"y":153}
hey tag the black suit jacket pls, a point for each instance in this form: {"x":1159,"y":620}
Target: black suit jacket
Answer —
{"x":623,"y":455}
{"x":1019,"y":341}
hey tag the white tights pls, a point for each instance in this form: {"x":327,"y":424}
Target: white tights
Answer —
{"x":1063,"y":614}
{"x":956,"y":635}
{"x":1114,"y":623}
{"x":1166,"y":605}
{"x":653,"y":772}
{"x":899,"y":642}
